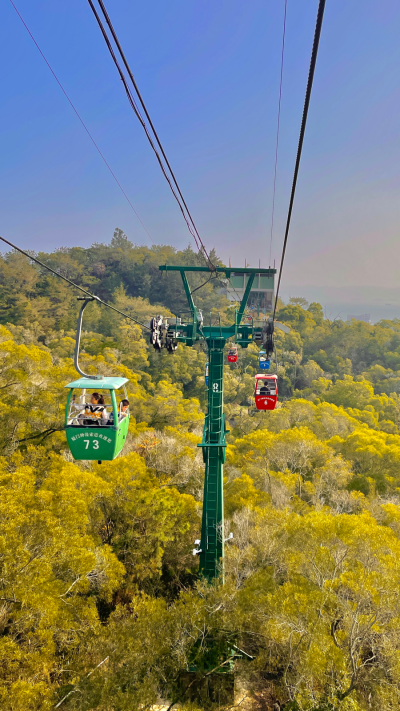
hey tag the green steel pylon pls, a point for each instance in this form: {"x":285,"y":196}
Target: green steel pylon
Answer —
{"x":214,"y":447}
{"x":214,"y":434}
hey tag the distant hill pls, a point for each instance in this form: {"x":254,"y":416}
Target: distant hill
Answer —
{"x":338,"y":302}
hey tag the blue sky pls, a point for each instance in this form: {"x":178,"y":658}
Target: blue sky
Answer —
{"x":209,"y":73}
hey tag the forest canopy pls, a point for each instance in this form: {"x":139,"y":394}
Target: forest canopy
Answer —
{"x":101,"y":603}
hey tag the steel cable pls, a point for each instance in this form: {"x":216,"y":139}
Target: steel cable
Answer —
{"x":81,"y":120}
{"x":277,"y":132}
{"x":314,"y":54}
{"x":183,"y":206}
{"x":137,"y":113}
{"x":114,"y":34}
{"x":92,"y":296}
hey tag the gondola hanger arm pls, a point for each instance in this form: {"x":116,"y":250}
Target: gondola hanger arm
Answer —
{"x":86,"y":300}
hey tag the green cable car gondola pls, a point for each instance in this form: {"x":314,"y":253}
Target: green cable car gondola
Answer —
{"x":87,"y":437}
{"x":92,"y":431}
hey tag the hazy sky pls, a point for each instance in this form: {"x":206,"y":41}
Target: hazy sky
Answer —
{"x":209,"y":73}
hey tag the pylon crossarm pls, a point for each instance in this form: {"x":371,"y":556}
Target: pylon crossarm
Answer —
{"x":221,"y":270}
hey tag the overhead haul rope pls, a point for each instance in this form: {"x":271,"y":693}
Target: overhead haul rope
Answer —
{"x":277,"y":132}
{"x":118,"y":44}
{"x":204,"y":283}
{"x":81,"y":120}
{"x":191,"y":225}
{"x":178,"y":197}
{"x":92,"y":296}
{"x":317,"y":35}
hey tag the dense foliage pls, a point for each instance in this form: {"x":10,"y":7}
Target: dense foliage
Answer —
{"x":101,"y":607}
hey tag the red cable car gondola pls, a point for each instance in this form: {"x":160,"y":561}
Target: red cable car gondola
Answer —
{"x":266,"y":391}
{"x":232,"y":354}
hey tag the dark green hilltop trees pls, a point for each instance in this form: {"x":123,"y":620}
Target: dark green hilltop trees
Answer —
{"x":101,"y":604}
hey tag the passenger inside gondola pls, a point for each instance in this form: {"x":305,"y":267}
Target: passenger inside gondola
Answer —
{"x":265,"y":388}
{"x":123,"y":412}
{"x":95,"y":412}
